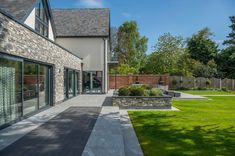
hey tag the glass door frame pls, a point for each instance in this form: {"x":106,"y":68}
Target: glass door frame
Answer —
{"x":50,"y":87}
{"x":91,"y":85}
{"x":50,"y":91}
{"x":66,"y":88}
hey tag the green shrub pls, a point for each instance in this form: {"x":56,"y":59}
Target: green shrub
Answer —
{"x":224,"y":89}
{"x":124,"y":91}
{"x":174,"y":82}
{"x":136,"y":91}
{"x":155,"y":92}
{"x":202,"y":88}
{"x":146,"y":87}
{"x":183,"y":88}
{"x":146,"y":92}
{"x":208,"y":83}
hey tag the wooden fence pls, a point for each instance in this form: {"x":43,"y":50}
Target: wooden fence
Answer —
{"x":174,"y":82}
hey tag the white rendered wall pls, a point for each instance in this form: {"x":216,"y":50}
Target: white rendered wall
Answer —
{"x":92,"y":50}
{"x":50,"y":32}
{"x":30,"y":20}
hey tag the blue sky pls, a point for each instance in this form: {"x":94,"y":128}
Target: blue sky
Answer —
{"x":155,"y":17}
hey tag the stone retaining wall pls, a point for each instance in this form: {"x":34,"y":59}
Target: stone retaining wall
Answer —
{"x":141,"y":102}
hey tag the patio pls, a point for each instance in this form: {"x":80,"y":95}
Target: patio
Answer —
{"x":85,"y":125}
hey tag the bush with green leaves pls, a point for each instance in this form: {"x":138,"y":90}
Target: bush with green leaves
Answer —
{"x":155,"y":92}
{"x":208,"y":83}
{"x":136,"y":91}
{"x":139,"y":91}
{"x":174,"y":82}
{"x":224,"y":89}
{"x":124,"y":91}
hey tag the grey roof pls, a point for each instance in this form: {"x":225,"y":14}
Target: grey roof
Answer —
{"x":81,"y":22}
{"x":18,"y":9}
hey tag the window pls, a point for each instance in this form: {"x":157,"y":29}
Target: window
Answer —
{"x":10,"y":90}
{"x":92,"y":82}
{"x":41,"y":20}
{"x":71,"y":83}
{"x":25,"y":87}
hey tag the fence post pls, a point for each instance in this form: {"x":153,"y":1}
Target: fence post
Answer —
{"x":220,"y":84}
{"x":232,"y":84}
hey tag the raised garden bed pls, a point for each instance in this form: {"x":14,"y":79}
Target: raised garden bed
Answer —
{"x":142,"y":102}
{"x":141,"y":97}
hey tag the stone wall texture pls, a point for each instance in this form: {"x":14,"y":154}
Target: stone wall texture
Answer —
{"x":18,"y":40}
{"x":131,"y":102}
{"x":119,"y":81}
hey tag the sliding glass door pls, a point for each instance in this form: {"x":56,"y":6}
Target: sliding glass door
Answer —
{"x":30,"y":87}
{"x":92,"y":82}
{"x":71,"y":83}
{"x":44,"y":86}
{"x":25,"y":87}
{"x":10,"y":90}
{"x":36,"y":87}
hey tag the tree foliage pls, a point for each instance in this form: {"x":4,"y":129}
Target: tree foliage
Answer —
{"x":124,"y":69}
{"x":201,"y":47}
{"x":167,"y":57}
{"x":201,"y":70}
{"x":131,"y":46}
{"x":226,"y":59}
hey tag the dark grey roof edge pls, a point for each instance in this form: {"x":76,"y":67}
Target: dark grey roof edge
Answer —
{"x":94,"y":36}
{"x":32,"y":30}
{"x":80,"y":8}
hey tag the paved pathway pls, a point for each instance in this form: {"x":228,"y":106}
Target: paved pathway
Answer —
{"x":11,"y":134}
{"x":64,"y":135}
{"x":185,"y":96}
{"x":66,"y":130}
{"x":106,"y":138}
{"x":220,"y":95}
{"x":131,"y":143}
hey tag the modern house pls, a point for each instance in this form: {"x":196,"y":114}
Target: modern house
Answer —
{"x":49,"y":55}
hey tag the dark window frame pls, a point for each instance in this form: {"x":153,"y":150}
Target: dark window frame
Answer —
{"x":66,"y":88}
{"x":41,"y":19}
{"x":51,"y":86}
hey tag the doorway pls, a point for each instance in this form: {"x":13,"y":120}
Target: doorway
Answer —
{"x":92,"y":82}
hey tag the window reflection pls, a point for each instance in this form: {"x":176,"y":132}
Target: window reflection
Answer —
{"x":10,"y":90}
{"x":92,"y":82}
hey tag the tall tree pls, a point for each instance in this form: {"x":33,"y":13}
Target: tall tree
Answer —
{"x":169,"y":56}
{"x":201,"y":47}
{"x":231,"y":36}
{"x":131,"y":46}
{"x":226,"y":59}
{"x":114,"y":43}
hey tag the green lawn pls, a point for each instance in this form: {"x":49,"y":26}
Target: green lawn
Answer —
{"x":203,"y":128}
{"x":208,"y":92}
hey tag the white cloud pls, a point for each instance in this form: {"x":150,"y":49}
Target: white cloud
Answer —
{"x":126,"y":15}
{"x":91,"y":3}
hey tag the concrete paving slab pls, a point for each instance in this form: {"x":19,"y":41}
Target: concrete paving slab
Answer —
{"x":106,"y":138}
{"x":65,"y":134}
{"x":16,"y":131}
{"x":131,"y":143}
{"x":185,"y":96}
